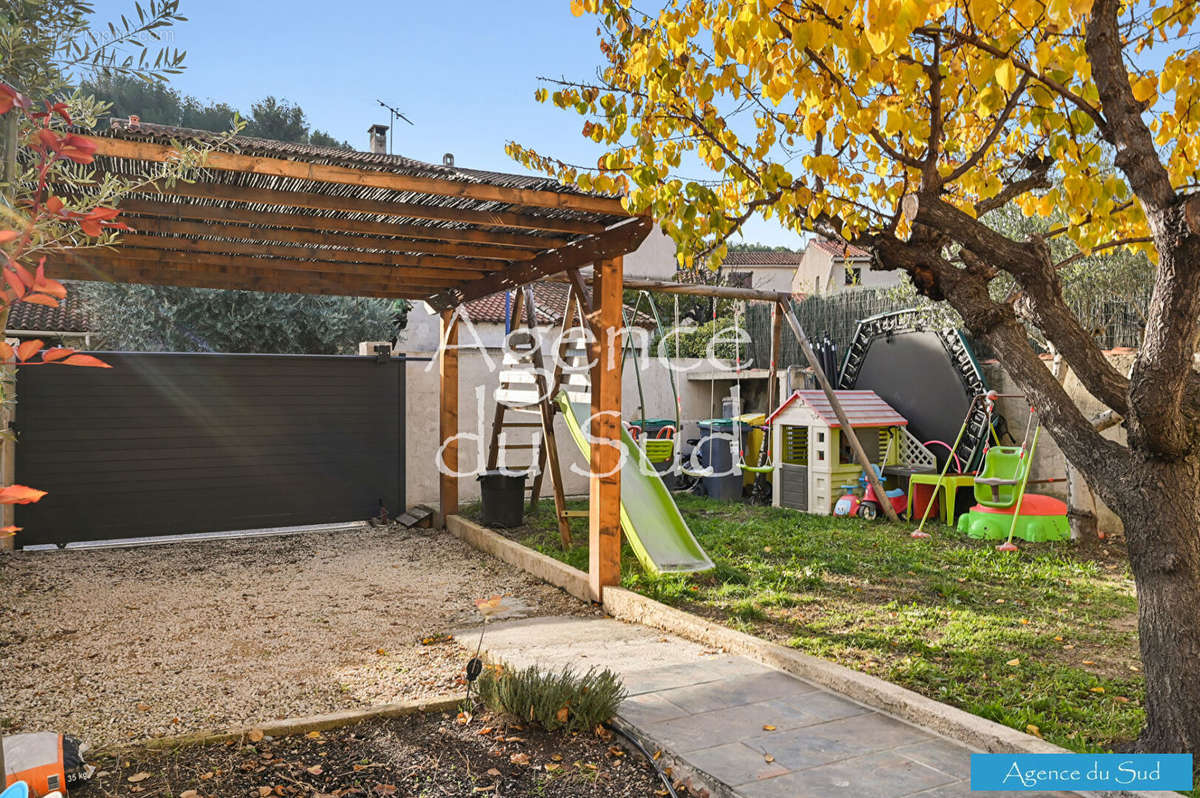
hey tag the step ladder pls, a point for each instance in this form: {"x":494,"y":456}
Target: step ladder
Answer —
{"x":523,"y":423}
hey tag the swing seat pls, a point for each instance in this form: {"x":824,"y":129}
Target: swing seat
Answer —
{"x":997,"y":483}
{"x":659,"y":450}
{"x":766,"y":469}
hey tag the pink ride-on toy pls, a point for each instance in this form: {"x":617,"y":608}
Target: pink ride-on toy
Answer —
{"x":867,"y":507}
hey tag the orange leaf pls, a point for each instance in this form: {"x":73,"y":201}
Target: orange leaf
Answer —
{"x":20,"y":494}
{"x":57,"y":353}
{"x":54,"y":205}
{"x":25,"y":275}
{"x":28,"y":349}
{"x":40,"y":299}
{"x":52,"y":287}
{"x":86,"y":360}
{"x":10,"y":530}
{"x":6,"y":351}
{"x":7,"y":235}
{"x":14,"y":282}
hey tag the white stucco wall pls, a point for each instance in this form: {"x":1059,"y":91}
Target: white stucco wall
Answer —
{"x":654,"y":259}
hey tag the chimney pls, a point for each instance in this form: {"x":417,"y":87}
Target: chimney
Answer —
{"x":378,"y":135}
{"x":448,"y":159}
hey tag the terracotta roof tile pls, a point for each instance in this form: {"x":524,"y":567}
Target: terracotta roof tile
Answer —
{"x":69,"y":316}
{"x":741,"y":257}
{"x":839,"y":250}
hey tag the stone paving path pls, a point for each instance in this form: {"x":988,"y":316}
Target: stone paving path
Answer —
{"x":709,"y":710}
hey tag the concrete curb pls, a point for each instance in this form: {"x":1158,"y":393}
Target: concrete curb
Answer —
{"x":900,"y":702}
{"x":302,"y":725}
{"x":540,"y":565}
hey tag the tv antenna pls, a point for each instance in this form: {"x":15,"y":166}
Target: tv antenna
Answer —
{"x":392,"y":127}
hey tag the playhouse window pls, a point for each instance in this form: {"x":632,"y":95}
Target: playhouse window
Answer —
{"x":795,"y":445}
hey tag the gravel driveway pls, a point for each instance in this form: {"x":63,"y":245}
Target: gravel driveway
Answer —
{"x":112,"y":645}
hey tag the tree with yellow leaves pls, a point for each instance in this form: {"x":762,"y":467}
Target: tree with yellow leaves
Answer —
{"x":898,"y":125}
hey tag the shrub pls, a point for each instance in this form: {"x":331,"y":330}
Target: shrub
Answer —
{"x":562,"y":700}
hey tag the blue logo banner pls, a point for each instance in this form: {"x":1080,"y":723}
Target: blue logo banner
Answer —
{"x":1027,"y":772}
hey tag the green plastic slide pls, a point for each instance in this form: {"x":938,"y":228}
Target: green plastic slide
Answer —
{"x":649,"y":518}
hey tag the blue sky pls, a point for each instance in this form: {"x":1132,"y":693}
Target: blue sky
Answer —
{"x":464,"y":71}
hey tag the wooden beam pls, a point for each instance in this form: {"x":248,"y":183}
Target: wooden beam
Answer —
{"x":860,"y":454}
{"x":618,"y":240}
{"x":604,"y":485}
{"x":308,"y":221}
{"x":284,"y":236}
{"x":407,"y":210}
{"x":480,"y":265}
{"x":148,"y":258}
{"x":366,"y":178}
{"x":698,"y":289}
{"x":237,"y":278}
{"x":448,"y":417}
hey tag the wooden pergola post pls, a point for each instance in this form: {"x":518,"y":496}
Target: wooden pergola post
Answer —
{"x":448,"y":418}
{"x":604,"y":493}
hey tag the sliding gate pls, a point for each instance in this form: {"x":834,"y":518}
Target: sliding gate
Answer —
{"x":166,"y":443}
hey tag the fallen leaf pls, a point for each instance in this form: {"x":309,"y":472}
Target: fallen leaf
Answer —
{"x":263,"y":792}
{"x":1120,"y":699}
{"x":999,"y":601}
{"x":381,"y":652}
{"x":1096,"y":689}
{"x":768,"y":758}
{"x":488,"y":788}
{"x":1134,"y":668}
{"x":136,"y":777}
{"x":1025,"y":620}
{"x":519,"y":759}
{"x":143,"y":707}
{"x":384,"y":789}
{"x":1013,"y":662}
{"x":1068,"y":647}
{"x":485,"y":730}
{"x":657,"y":755}
{"x":254,"y":735}
{"x":1034,"y":730}
{"x":315,"y":770}
{"x":514,"y":739}
{"x":493,"y":772}
{"x":552,"y":766}
{"x":189,"y":794}
{"x":1088,"y":662}
{"x":313,"y":735}
{"x":556,"y":757}
{"x":768,"y":727}
{"x":206,"y":776}
{"x":616,"y":751}
{"x":561,"y":715}
{"x":1058,"y":638}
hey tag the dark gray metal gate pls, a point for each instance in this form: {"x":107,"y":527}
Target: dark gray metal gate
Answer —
{"x":179,"y":443}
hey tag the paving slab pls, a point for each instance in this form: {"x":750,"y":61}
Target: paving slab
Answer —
{"x":739,"y":727}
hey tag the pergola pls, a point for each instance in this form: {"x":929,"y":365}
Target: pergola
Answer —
{"x":274,"y":216}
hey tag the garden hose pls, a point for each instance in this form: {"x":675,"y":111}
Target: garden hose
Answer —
{"x":654,"y":764}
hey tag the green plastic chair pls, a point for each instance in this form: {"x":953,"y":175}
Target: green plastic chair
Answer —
{"x":999,"y":481}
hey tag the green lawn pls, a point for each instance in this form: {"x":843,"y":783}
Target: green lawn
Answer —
{"x":1044,"y":641}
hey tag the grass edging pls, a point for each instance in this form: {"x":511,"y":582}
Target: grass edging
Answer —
{"x":546,"y":568}
{"x":301,"y":725}
{"x":957,"y":724}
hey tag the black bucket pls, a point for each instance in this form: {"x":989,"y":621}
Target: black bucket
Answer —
{"x":503,"y":498}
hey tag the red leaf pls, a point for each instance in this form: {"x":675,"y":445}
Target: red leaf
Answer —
{"x":61,"y":110}
{"x":103,"y":214}
{"x":8,"y":235}
{"x":52,"y":287}
{"x":47,"y":139}
{"x":20,"y":494}
{"x":6,"y":103}
{"x":6,"y":352}
{"x":57,"y":353}
{"x":40,"y":299}
{"x":86,"y":360}
{"x":25,"y":275}
{"x":28,"y":349}
{"x":14,"y":282}
{"x":78,"y":149}
{"x":90,"y":227}
{"x":54,"y":205}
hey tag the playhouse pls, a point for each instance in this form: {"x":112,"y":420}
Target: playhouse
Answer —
{"x":814,"y":461}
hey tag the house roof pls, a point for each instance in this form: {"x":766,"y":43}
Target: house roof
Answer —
{"x":550,"y":303}
{"x":862,"y":408}
{"x":277,"y":216}
{"x":839,"y":250}
{"x":69,"y":317}
{"x":742,"y":257}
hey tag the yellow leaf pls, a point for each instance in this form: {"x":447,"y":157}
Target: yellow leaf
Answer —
{"x":254,"y":735}
{"x":1096,"y":689}
{"x":768,"y":758}
{"x":1145,"y":88}
{"x":768,"y":727}
{"x":1013,"y":662}
{"x":1034,"y":730}
{"x":879,"y":40}
{"x":577,"y":7}
{"x":1006,"y":75}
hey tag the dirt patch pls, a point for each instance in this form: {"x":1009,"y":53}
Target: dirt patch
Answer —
{"x":433,"y":754}
{"x":113,"y":645}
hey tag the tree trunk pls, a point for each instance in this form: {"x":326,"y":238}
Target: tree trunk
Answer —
{"x":1161,"y":513}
